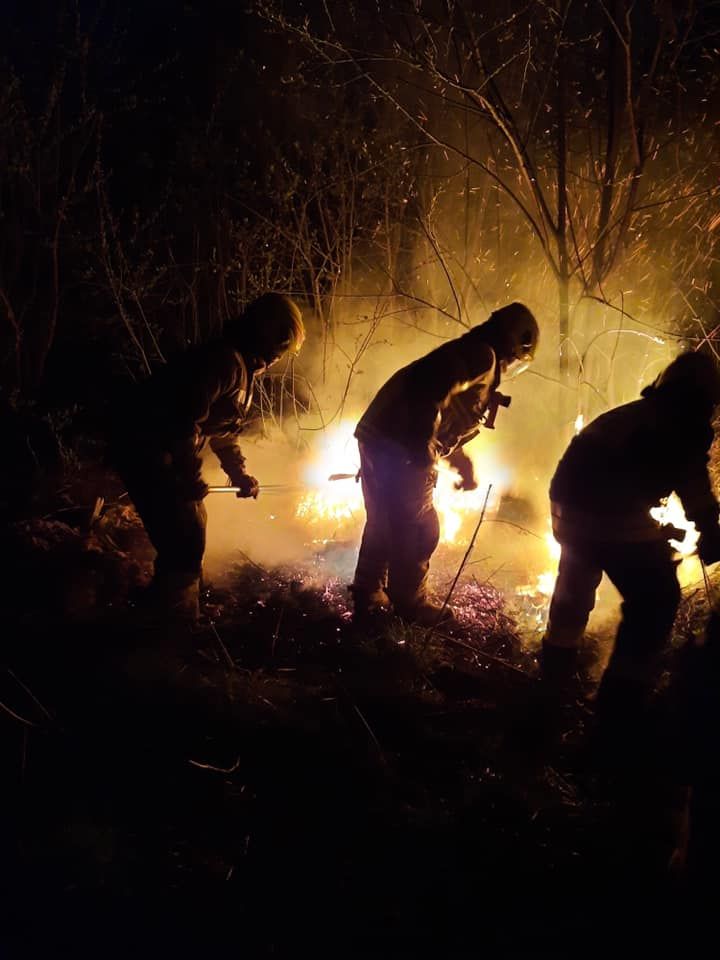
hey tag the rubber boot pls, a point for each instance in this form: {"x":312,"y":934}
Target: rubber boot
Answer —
{"x":558,"y":671}
{"x":174,"y":598}
{"x":555,"y":695}
{"x":619,"y":737}
{"x":183,"y":601}
{"x":369,"y":605}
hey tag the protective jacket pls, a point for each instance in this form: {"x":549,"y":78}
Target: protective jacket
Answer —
{"x":623,"y":463}
{"x":202,"y":395}
{"x":433,"y":405}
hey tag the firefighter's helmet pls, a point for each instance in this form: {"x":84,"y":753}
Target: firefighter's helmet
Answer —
{"x":691,"y":377}
{"x":514,"y":332}
{"x":269,"y":327}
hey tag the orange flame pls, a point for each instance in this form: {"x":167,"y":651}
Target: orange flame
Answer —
{"x":340,"y":502}
{"x":544,"y":583}
{"x":330,"y":506}
{"x":670,"y":511}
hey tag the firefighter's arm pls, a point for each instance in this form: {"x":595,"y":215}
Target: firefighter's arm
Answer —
{"x":461,"y":462}
{"x":228,"y":452}
{"x":450,"y":373}
{"x":701,"y":507}
{"x":459,"y":372}
{"x":462,"y":417}
{"x":203,"y":385}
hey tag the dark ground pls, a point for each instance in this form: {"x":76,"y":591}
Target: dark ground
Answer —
{"x":276,"y":783}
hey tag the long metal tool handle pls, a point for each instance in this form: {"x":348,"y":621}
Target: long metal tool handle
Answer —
{"x":284,"y":487}
{"x":264,"y":488}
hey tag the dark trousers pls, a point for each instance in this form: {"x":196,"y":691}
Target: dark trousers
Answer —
{"x":176,"y":526}
{"x":697,"y":683}
{"x":644,"y":574}
{"x":401,"y":528}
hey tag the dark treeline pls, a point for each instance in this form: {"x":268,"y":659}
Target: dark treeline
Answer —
{"x":162,"y":163}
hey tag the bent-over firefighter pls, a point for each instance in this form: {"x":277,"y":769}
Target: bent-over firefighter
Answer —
{"x":158,"y":430}
{"x":427,"y":411}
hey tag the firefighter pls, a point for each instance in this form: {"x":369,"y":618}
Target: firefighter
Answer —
{"x":426,"y":411}
{"x":158,"y":430}
{"x":612,"y":473}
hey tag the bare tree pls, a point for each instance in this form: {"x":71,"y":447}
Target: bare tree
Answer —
{"x":570,"y":110}
{"x":48,"y":135}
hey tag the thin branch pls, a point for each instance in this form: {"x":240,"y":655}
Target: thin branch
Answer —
{"x":471,"y":547}
{"x":438,"y":253}
{"x":16,"y":716}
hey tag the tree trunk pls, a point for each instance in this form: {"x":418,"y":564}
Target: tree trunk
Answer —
{"x":563,"y":276}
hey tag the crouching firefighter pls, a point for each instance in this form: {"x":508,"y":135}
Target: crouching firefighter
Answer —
{"x":160,"y":426}
{"x":612,"y":473}
{"x":427,"y":411}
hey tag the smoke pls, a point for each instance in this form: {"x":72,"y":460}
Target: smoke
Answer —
{"x":264,"y":530}
{"x":346,"y":359}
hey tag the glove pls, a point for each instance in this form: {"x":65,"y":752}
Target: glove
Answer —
{"x":709,"y":546}
{"x":466,"y":482}
{"x":462,"y":463}
{"x":467,"y":479}
{"x":249,"y":487}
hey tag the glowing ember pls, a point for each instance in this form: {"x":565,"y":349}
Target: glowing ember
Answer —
{"x":341,"y":502}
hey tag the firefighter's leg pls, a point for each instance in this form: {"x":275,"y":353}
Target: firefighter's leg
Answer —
{"x":415,"y":533}
{"x":176,"y":529}
{"x":552,"y":701}
{"x":646,"y":577}
{"x":179,"y":576}
{"x":370,"y":581}
{"x":573,"y":599}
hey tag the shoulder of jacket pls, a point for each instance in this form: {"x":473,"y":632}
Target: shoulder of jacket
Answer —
{"x":487,"y":354}
{"x":481,"y":362}
{"x":480,"y":356}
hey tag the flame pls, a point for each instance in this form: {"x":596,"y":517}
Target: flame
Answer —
{"x":670,"y":511}
{"x":544,"y":583}
{"x":454,"y":506}
{"x":341,"y":502}
{"x":579,"y":423}
{"x":335,"y":507}
{"x":329,"y":505}
{"x":336,"y":501}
